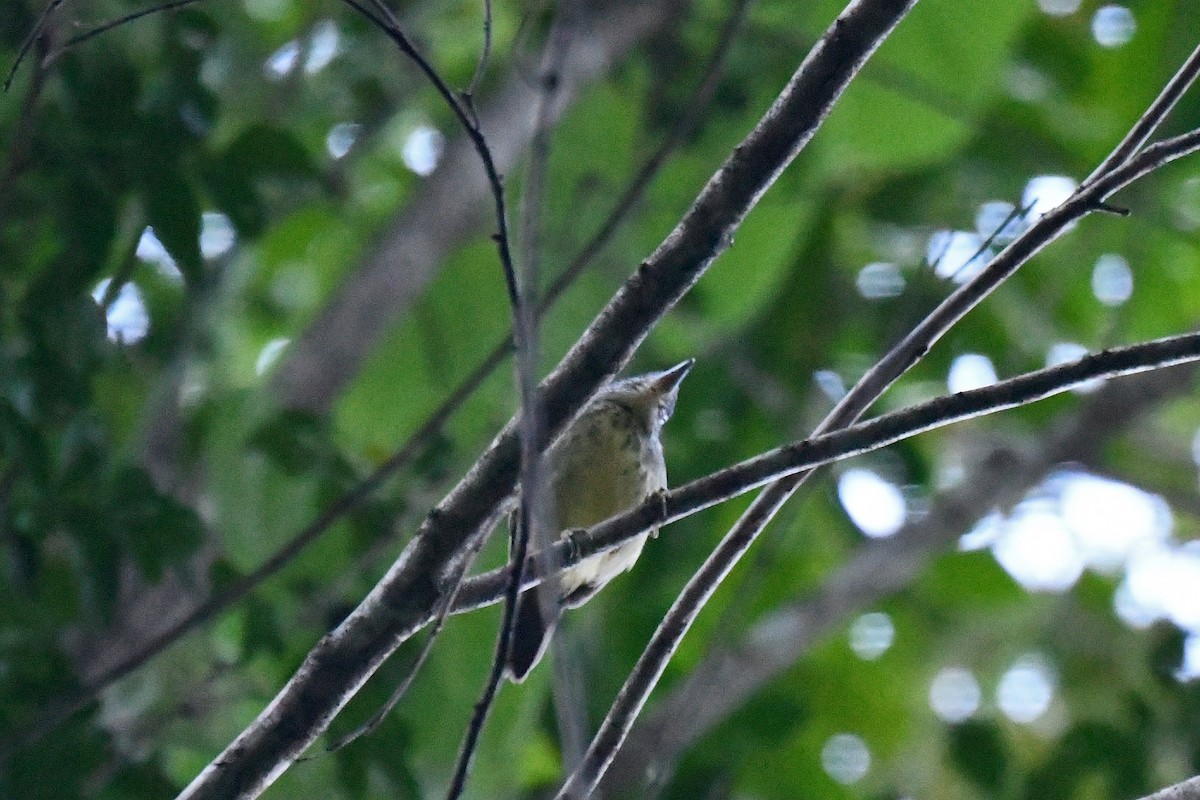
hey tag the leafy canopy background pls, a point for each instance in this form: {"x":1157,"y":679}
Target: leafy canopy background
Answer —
{"x":138,"y":476}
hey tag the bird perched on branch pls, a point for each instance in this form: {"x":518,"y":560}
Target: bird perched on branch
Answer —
{"x":609,"y":459}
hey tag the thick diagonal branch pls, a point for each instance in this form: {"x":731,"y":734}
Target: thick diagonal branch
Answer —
{"x":344,"y":659}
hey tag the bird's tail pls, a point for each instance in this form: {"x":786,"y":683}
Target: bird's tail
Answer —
{"x":531,"y":634}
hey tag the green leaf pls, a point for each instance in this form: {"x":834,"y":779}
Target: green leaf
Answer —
{"x":265,"y":151}
{"x":174,"y":213}
{"x":295,"y":441}
{"x":158,"y":531}
{"x":978,"y":752}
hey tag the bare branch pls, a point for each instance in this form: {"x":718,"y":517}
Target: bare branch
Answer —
{"x":1144,"y":128}
{"x":535,"y":516}
{"x":864,"y":437}
{"x":116,"y":23}
{"x":470,"y":125}
{"x":344,"y":659}
{"x":1186,"y":790}
{"x":1148,"y":160}
{"x":22,"y":136}
{"x":439,"y":619}
{"x":485,"y":53}
{"x":30,"y":39}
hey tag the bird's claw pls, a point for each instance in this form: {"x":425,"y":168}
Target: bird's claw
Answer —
{"x":573,"y":538}
{"x":659,"y":496}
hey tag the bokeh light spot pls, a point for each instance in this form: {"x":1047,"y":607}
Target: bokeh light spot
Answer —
{"x":876,"y":506}
{"x":1113,"y":26}
{"x":957,"y":255}
{"x":126,"y":317}
{"x":1037,"y":549}
{"x":871,"y":635}
{"x":1045,"y":193}
{"x":341,"y":138}
{"x":1112,"y":280}
{"x":1026,"y":690}
{"x":970,"y":371}
{"x":846,"y":758}
{"x":880,"y":281}
{"x":269,"y":355}
{"x":954,"y":694}
{"x":217,"y":235}
{"x":1059,"y":8}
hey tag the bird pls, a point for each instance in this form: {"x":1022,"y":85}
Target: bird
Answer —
{"x":608,"y":460}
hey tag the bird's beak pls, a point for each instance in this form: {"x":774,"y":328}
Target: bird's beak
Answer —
{"x":669,"y":380}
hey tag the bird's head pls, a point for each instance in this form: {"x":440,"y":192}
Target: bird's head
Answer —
{"x":650,"y":397}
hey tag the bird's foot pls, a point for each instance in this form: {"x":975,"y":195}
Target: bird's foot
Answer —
{"x":659,"y":496}
{"x":574,"y":538}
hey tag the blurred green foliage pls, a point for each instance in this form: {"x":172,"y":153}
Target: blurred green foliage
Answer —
{"x":139,"y":475}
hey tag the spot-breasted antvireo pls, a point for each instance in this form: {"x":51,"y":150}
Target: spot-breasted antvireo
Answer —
{"x":609,"y":459}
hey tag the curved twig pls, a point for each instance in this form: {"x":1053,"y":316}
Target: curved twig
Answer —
{"x":470,"y":126}
{"x":118,"y":22}
{"x":19,"y":144}
{"x":439,"y":620}
{"x":1144,"y":128}
{"x":30,"y":39}
{"x":485,"y":54}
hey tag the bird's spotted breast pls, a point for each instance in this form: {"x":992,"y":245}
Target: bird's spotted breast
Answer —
{"x":603,"y":466}
{"x":608,"y":460}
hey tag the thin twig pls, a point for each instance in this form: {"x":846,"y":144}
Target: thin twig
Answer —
{"x":1086,"y":199}
{"x":485,"y":54}
{"x":383,"y":19}
{"x":1150,"y":159}
{"x":1017,"y":212}
{"x":30,"y":38}
{"x":1144,"y":128}
{"x":469,"y":126}
{"x":535,"y":517}
{"x":116,"y":23}
{"x":439,"y":620}
{"x":22,"y":136}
